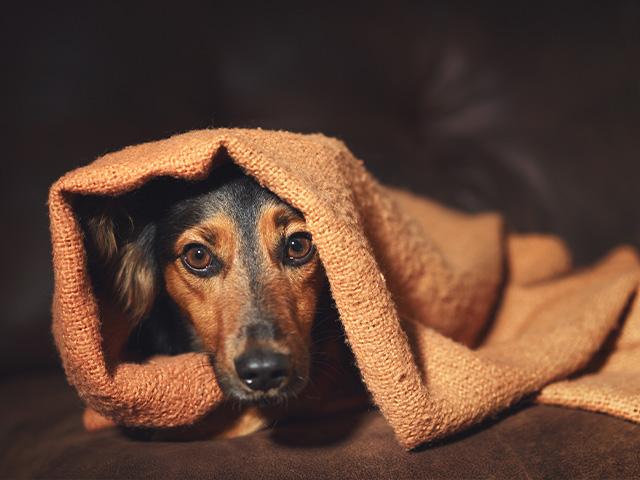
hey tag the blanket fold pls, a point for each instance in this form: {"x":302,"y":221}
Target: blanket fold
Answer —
{"x":450,"y":319}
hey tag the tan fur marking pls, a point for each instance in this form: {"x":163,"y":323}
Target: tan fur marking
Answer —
{"x":208,"y":302}
{"x":291,"y":293}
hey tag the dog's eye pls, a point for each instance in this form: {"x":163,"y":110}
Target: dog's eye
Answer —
{"x":197,"y":258}
{"x":298,"y":249}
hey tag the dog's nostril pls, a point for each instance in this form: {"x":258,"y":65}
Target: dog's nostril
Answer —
{"x":262,"y":369}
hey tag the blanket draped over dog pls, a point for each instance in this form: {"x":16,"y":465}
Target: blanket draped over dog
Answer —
{"x":450,"y":319}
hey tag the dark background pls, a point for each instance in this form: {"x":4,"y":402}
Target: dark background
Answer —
{"x":531,"y":108}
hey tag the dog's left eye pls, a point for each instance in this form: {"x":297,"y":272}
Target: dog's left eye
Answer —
{"x":197,"y":258}
{"x":298,"y":249}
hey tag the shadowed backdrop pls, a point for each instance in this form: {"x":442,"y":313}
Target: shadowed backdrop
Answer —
{"x":531,"y":109}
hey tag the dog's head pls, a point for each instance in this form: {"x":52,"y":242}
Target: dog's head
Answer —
{"x":242,"y":269}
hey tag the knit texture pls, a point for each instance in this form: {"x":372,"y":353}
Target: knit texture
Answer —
{"x":450,"y":319}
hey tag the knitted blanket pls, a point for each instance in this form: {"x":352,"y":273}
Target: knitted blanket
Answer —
{"x":450,"y":319}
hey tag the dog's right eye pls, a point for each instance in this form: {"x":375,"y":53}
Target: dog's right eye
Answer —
{"x":198,"y":259}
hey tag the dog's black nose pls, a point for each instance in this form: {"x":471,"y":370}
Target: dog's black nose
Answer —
{"x":262,"y":369}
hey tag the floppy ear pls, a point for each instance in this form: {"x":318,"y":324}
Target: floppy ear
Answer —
{"x":126,"y":255}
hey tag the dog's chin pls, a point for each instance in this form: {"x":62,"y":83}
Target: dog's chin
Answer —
{"x":236,"y":391}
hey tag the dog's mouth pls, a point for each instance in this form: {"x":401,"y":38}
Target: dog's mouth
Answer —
{"x":260,"y":377}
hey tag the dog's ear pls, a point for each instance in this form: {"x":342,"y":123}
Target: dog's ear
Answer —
{"x":125,"y":249}
{"x":135,"y":276}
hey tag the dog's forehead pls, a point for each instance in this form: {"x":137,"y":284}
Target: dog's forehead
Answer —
{"x":240,"y":199}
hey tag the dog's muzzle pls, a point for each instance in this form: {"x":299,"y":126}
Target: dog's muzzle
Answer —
{"x":262,"y":369}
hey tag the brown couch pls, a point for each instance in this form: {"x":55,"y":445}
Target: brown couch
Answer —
{"x":531,"y":109}
{"x":43,"y":438}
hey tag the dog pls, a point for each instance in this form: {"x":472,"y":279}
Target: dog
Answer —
{"x":227,"y":268}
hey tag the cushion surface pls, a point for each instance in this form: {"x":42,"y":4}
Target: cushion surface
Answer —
{"x":42,"y":436}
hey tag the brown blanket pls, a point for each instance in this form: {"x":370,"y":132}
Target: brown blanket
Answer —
{"x":449,"y":319}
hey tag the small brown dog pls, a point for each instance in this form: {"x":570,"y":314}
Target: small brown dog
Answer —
{"x":227,"y":268}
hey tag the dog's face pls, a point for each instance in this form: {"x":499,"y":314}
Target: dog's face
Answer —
{"x":242,"y":269}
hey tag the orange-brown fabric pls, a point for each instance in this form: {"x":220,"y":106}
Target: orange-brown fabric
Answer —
{"x":449,"y":319}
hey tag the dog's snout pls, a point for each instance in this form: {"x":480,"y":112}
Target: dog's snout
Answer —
{"x":261,"y":369}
